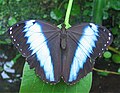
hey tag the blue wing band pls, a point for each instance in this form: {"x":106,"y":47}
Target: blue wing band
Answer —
{"x":38,"y":46}
{"x":85,"y":47}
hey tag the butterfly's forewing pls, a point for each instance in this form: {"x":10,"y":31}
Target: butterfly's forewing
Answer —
{"x":39,"y":42}
{"x":84,"y":43}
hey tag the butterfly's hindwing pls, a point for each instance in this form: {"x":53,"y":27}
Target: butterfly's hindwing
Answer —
{"x":35,"y":40}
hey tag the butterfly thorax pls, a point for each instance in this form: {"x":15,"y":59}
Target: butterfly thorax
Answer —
{"x":63,"y":38}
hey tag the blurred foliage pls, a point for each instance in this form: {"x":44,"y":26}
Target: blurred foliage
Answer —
{"x":116,"y":58}
{"x":53,"y":11}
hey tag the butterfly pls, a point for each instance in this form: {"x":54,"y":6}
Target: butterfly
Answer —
{"x":60,"y":53}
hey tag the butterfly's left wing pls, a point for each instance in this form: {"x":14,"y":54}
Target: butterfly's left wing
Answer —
{"x":85,"y":42}
{"x":39,"y":42}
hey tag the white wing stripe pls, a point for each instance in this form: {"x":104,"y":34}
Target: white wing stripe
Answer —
{"x":82,"y":52}
{"x":36,"y":40}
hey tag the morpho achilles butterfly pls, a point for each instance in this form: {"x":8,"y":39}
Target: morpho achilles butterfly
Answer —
{"x":60,"y":53}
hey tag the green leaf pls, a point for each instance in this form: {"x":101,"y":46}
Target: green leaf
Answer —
{"x":56,"y":14}
{"x":32,"y":84}
{"x":107,"y":54}
{"x":116,"y":58}
{"x":12,"y":21}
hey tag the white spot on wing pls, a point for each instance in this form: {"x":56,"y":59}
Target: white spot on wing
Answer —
{"x":38,"y":45}
{"x":17,"y":44}
{"x":11,"y":36}
{"x":109,"y":34}
{"x":17,"y":25}
{"x":14,"y":39}
{"x":10,"y":28}
{"x":82,"y":52}
{"x":10,"y":32}
{"x":109,"y":38}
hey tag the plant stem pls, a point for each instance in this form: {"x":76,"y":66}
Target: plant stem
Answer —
{"x":114,"y":50}
{"x":109,"y":72}
{"x":16,"y":57}
{"x":66,"y":22}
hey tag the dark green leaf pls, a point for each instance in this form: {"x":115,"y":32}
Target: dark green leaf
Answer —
{"x":116,"y":58}
{"x":86,"y":12}
{"x":75,"y":10}
{"x":115,"y":31}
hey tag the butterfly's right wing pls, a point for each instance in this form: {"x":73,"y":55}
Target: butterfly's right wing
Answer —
{"x":85,"y":42}
{"x":39,"y":42}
